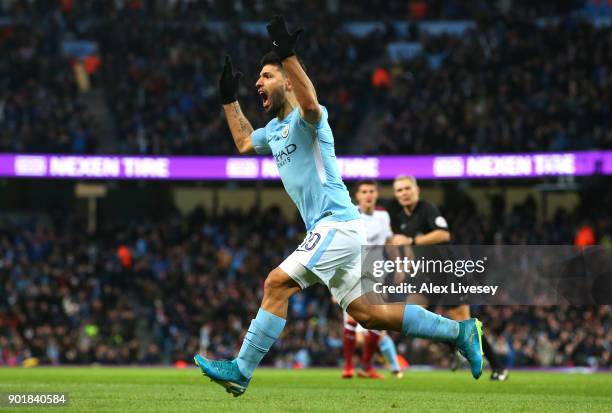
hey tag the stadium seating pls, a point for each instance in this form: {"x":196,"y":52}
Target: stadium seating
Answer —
{"x":497,"y":88}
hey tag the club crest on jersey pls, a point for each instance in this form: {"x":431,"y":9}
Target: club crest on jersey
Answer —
{"x":285,"y":131}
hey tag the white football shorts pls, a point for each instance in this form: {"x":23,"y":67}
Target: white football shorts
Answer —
{"x":330,"y":254}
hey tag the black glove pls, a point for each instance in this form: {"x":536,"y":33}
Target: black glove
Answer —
{"x":229,"y":82}
{"x":282,"y":40}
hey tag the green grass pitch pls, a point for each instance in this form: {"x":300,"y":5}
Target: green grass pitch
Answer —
{"x":103,"y":389}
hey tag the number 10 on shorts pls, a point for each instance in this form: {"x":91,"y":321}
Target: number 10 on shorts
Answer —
{"x":309,"y":242}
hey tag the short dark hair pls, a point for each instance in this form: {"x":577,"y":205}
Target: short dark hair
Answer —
{"x":366,"y":181}
{"x":272,"y":58}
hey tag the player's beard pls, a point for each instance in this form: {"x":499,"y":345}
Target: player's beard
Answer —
{"x":278,"y":101}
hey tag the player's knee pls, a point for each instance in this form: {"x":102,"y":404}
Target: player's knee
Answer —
{"x":276,"y":283}
{"x":371,"y":323}
{"x":367,"y":320}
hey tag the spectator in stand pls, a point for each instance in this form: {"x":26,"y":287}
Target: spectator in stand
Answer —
{"x":504,"y":87}
{"x":39,"y":106}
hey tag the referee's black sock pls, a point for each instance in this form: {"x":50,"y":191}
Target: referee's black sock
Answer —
{"x":489,"y":353}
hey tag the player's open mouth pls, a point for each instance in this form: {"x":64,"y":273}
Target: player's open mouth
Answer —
{"x":264,"y":98}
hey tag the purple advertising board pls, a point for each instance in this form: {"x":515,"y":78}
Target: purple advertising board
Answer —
{"x":521,"y":165}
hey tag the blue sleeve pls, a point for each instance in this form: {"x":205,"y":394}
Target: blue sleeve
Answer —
{"x":314,"y":126}
{"x":321,"y":130}
{"x":259,"y":141}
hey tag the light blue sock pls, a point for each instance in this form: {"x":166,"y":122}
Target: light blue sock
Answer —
{"x":387,"y":347}
{"x":418,"y":322}
{"x":262,"y":333}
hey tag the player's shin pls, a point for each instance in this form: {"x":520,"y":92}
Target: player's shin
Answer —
{"x":418,"y":322}
{"x":349,"y":341}
{"x":490,"y":354}
{"x":387,"y":348}
{"x":261,"y":335}
{"x":369,"y":348}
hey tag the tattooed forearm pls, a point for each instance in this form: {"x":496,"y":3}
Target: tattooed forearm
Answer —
{"x":243,"y":123}
{"x":239,"y":126}
{"x":245,"y":126}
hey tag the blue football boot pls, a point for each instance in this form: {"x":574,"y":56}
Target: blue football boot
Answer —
{"x":224,"y":373}
{"x":469,"y":344}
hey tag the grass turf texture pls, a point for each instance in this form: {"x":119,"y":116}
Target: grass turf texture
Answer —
{"x":99,"y":389}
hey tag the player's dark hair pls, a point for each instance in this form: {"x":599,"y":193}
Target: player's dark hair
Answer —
{"x":271,"y":58}
{"x":366,"y":181}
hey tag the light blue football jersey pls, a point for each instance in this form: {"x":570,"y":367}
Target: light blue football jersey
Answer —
{"x":305,"y":157}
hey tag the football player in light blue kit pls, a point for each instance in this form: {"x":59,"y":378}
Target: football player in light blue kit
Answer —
{"x":301,"y":142}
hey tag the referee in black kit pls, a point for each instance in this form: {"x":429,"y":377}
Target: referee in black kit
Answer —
{"x":418,"y":222}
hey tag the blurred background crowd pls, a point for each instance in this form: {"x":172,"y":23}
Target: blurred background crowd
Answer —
{"x":517,"y":79}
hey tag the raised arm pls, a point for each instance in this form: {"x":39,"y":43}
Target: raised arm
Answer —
{"x":239,"y":125}
{"x":284,"y":44}
{"x":304,"y":90}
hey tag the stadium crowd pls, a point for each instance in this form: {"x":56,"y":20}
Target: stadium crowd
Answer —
{"x":158,"y":292}
{"x":505,"y":87}
{"x":509,"y":84}
{"x":40,"y":107}
{"x":261,"y":10}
